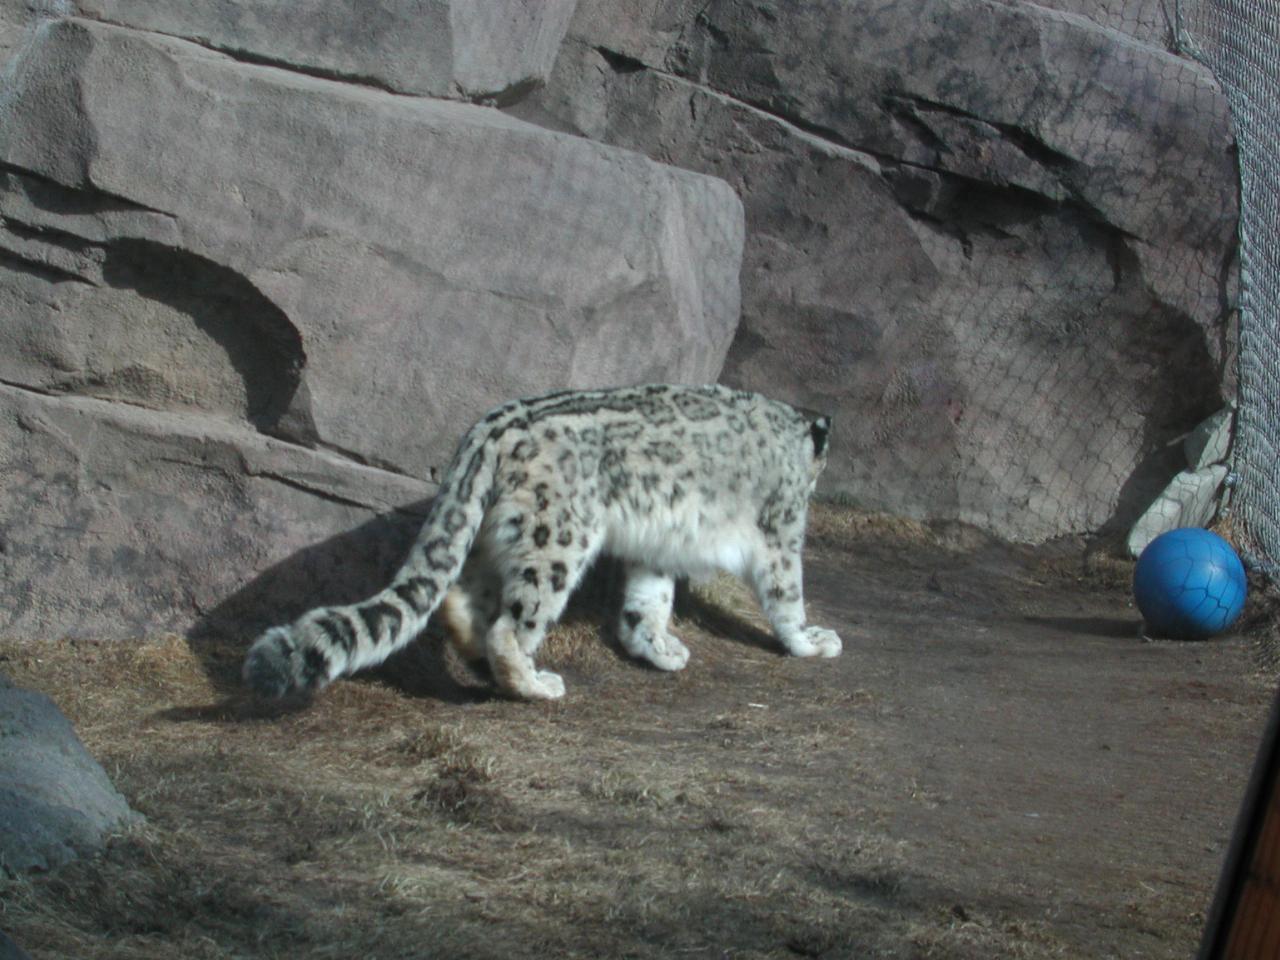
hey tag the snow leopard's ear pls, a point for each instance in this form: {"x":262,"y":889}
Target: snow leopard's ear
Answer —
{"x":819,"y":430}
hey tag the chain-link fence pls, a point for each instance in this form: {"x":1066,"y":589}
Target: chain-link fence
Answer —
{"x":996,"y":240}
{"x":1239,"y":40}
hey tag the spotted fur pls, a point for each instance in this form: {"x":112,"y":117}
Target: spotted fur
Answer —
{"x":671,"y":480}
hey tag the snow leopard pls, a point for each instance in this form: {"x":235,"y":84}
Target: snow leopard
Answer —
{"x":672,"y":481}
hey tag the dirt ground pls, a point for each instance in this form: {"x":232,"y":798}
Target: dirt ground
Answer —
{"x":997,"y":766}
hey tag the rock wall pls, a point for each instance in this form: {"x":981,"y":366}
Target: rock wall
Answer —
{"x":259,"y":267}
{"x":247,"y":309}
{"x":996,"y":239}
{"x":477,"y":50}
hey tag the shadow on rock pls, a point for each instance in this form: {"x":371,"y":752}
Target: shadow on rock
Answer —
{"x":345,"y":568}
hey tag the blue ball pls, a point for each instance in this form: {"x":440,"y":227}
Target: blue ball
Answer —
{"x":1189,"y":584}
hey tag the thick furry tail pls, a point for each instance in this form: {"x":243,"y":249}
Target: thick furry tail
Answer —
{"x":330,"y":642}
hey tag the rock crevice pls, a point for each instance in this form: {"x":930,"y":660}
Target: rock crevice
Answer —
{"x":989,"y":237}
{"x":227,"y":252}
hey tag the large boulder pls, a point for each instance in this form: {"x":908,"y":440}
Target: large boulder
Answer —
{"x":118,"y":521}
{"x":56,"y":801}
{"x":462,"y":49}
{"x":995,"y":239}
{"x":198,"y":253}
{"x":347,"y":251}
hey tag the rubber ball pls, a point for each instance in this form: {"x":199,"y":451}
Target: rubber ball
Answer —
{"x":1189,"y":584}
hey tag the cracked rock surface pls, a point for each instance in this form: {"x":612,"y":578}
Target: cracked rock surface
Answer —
{"x":995,"y":239}
{"x":472,"y":50}
{"x":249,"y":310}
{"x":257,"y":273}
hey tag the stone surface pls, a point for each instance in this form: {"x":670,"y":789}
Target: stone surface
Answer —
{"x":461,"y":49}
{"x":1190,"y":500}
{"x":55,"y":800}
{"x":375,"y":247}
{"x":996,"y":240}
{"x":15,"y":19}
{"x":244,"y":308}
{"x":120,"y":521}
{"x":1210,"y":441}
{"x":1149,"y":21}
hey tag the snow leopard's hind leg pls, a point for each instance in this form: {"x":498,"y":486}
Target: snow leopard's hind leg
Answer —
{"x":460,"y":617}
{"x":471,"y":606}
{"x":538,"y":574}
{"x":646,"y":611}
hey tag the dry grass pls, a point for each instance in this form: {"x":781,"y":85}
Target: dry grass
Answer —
{"x":731,"y":810}
{"x":1260,"y":620}
{"x":372,"y":824}
{"x":833,"y":522}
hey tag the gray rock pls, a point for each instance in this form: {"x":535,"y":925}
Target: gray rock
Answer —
{"x":119,"y":521}
{"x":441,"y":48}
{"x":15,"y":19}
{"x":995,"y":239}
{"x":1210,"y":441}
{"x":1190,"y":500}
{"x":55,"y":799}
{"x":249,"y":312}
{"x":1148,"y":21}
{"x":10,"y":950}
{"x":375,"y":247}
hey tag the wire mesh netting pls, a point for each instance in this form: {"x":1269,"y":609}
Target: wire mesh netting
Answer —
{"x":1240,"y":42}
{"x":996,"y":240}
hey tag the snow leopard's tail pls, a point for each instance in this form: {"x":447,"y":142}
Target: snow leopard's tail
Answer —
{"x":330,"y":642}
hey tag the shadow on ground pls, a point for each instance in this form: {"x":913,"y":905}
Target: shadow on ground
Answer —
{"x":352,"y":566}
{"x":997,"y":767}
{"x":342,"y":569}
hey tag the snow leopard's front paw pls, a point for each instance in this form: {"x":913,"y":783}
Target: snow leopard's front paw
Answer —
{"x":814,"y":642}
{"x":665,"y":652}
{"x":546,"y":686}
{"x":519,"y":679}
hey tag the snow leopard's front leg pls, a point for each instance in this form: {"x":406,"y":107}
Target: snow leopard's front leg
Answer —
{"x":646,"y":610}
{"x":778,"y":584}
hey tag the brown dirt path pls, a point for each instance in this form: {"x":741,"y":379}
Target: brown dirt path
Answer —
{"x":998,"y":766}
